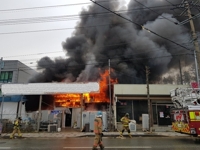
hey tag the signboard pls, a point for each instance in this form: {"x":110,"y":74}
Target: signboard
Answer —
{"x":194,"y":85}
{"x":49,"y":88}
{"x":178,"y":117}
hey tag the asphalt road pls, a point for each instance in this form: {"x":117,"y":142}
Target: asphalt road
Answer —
{"x":85,"y":143}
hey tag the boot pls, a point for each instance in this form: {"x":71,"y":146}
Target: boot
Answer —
{"x":101,"y":147}
{"x":121,"y":134}
{"x":94,"y":148}
{"x":130,"y":135}
{"x":20,"y":135}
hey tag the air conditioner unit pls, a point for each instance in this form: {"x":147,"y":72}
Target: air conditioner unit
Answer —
{"x":132,"y":126}
{"x":52,"y":128}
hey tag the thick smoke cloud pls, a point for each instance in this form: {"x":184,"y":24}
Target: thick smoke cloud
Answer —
{"x":100,"y":36}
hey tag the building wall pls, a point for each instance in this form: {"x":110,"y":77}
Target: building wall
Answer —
{"x":21,"y":72}
{"x":24,"y":73}
{"x":126,"y":95}
{"x":141,"y":89}
{"x":10,"y":111}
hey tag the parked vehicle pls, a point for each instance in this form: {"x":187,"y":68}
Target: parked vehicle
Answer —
{"x":186,"y":112}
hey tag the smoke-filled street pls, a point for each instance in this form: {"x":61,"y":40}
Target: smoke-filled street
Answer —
{"x":85,"y":143}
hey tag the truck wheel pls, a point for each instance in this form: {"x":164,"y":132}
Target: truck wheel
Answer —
{"x":196,"y":139}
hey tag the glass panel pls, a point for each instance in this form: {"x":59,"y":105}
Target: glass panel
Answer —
{"x":124,"y":107}
{"x":192,"y":115}
{"x":6,"y":76}
{"x":140,"y":107}
{"x":2,"y":76}
{"x":10,"y":76}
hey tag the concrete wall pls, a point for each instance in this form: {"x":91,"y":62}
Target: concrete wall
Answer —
{"x":76,"y":116}
{"x":10,"y":111}
{"x":24,"y":73}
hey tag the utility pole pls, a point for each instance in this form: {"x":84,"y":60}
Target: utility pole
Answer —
{"x":81,"y":113}
{"x":1,"y":64}
{"x":180,"y":71}
{"x":194,"y":37}
{"x":187,"y":8}
{"x":39,"y":114}
{"x":149,"y":101}
{"x":110,"y":107}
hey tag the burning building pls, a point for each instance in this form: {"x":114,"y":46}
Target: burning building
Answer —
{"x":74,"y":100}
{"x":101,"y":36}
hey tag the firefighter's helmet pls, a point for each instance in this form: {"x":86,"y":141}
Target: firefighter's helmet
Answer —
{"x":127,"y":114}
{"x":99,"y":114}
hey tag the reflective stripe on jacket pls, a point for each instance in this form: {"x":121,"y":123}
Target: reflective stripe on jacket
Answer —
{"x":98,"y":125}
{"x":16,"y":123}
{"x":125,"y":121}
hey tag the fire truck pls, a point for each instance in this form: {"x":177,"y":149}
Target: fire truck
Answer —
{"x":185,"y":114}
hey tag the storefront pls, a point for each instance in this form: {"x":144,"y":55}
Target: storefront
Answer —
{"x":132,"y":99}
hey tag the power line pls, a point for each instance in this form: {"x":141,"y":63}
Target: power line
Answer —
{"x":142,"y":26}
{"x":66,"y":17}
{"x":135,"y":54}
{"x":41,"y":7}
{"x":120,"y":44}
{"x":157,"y":13}
{"x":31,"y":54}
{"x":35,"y":31}
{"x":103,"y":62}
{"x":54,"y":6}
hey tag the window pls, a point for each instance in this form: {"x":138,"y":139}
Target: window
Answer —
{"x":124,"y":107}
{"x":6,"y":76}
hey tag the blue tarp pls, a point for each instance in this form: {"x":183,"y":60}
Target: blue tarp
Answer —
{"x":13,"y":98}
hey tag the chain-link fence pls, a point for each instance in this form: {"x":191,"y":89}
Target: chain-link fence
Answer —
{"x":27,"y":124}
{"x":25,"y":127}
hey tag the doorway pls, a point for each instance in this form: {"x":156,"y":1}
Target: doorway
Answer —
{"x":68,"y":118}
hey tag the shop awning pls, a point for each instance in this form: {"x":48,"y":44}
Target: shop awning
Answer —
{"x":13,"y":98}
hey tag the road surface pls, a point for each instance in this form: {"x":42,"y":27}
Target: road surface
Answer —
{"x":85,"y":143}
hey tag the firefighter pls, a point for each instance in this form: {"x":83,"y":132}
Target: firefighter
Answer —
{"x":125,"y":122}
{"x":98,"y":123}
{"x":16,"y":128}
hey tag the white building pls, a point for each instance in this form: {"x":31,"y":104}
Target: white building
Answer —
{"x":13,"y":71}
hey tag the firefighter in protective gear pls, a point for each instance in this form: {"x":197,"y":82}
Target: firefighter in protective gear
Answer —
{"x":125,"y":122}
{"x":16,"y":128}
{"x":98,"y":131}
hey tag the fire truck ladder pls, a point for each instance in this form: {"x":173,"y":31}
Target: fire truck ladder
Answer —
{"x":182,"y":97}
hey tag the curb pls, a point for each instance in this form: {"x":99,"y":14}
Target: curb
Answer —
{"x":89,"y":134}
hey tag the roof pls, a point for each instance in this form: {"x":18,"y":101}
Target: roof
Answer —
{"x":49,"y":88}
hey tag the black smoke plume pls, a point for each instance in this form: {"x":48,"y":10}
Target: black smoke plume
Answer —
{"x":101,"y":35}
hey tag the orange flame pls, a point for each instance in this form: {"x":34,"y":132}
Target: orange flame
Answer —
{"x":74,"y":100}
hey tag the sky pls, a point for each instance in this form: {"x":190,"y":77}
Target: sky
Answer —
{"x":28,"y":41}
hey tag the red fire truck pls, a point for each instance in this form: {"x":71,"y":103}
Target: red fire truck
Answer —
{"x":186,"y":112}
